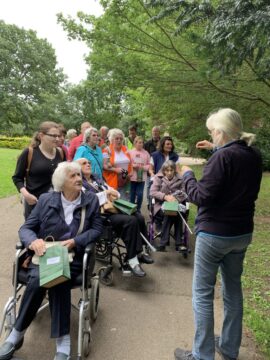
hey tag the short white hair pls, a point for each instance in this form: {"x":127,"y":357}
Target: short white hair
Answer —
{"x":229,"y":122}
{"x":60,"y":174}
{"x":113,"y":133}
{"x":88,"y":132}
{"x":71,"y":132}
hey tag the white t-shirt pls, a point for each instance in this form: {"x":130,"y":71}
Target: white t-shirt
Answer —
{"x":121,"y":160}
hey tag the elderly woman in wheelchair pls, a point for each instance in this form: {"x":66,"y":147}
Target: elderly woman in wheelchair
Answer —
{"x":130,"y":228}
{"x":168,"y":186}
{"x":58,"y":214}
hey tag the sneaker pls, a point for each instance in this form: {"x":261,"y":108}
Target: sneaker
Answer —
{"x":218,"y":350}
{"x":180,"y":354}
{"x":182,"y":248}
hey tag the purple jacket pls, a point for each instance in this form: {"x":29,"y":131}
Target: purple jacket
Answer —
{"x":227,"y":191}
{"x":162,"y":186}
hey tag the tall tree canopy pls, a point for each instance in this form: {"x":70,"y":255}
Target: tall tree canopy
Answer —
{"x":151,"y":61}
{"x":27,"y":72}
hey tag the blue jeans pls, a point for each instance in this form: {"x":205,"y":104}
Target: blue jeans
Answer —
{"x":211,"y":253}
{"x":136,"y":193}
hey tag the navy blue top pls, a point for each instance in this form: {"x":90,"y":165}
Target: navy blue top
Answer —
{"x":227,"y":191}
{"x":159,"y":159}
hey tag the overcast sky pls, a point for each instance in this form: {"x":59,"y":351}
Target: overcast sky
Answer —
{"x":40,"y":15}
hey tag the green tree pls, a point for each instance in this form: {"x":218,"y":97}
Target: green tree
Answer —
{"x":27,"y":72}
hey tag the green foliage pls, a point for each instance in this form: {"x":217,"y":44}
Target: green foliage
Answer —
{"x":140,"y":69}
{"x":14,"y":142}
{"x":28,"y":70}
{"x":8,"y":159}
{"x":263,"y":143}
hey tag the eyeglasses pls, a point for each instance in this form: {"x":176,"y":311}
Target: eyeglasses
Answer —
{"x":210,"y":131}
{"x":118,"y":138}
{"x":85,"y":163}
{"x":53,"y":135}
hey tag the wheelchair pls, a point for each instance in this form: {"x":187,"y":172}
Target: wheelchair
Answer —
{"x":110,"y":247}
{"x":87,"y":307}
{"x":186,"y":231}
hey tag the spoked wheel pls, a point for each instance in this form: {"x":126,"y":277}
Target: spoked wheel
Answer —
{"x":106,"y":275}
{"x":94,"y":298}
{"x":102,"y":250}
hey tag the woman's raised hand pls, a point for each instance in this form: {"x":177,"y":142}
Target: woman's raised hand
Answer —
{"x":205,"y":144}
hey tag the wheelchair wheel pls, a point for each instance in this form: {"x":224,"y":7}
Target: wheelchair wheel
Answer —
{"x":106,"y":275}
{"x":102,"y":250}
{"x":94,"y":298}
{"x":86,"y":343}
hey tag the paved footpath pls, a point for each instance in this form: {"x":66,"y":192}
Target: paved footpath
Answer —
{"x":139,"y":319}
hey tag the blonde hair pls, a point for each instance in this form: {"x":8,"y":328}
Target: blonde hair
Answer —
{"x":71,"y":132}
{"x":113,"y":133}
{"x":138,"y":138}
{"x":229,"y":122}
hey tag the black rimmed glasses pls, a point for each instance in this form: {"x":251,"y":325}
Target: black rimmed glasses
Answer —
{"x":53,"y":135}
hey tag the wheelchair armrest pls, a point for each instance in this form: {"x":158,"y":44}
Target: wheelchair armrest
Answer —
{"x":90,"y":249}
{"x":19,"y":246}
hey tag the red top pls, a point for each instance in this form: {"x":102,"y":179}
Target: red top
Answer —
{"x":74,"y":144}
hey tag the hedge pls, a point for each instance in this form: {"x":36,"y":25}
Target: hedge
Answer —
{"x":14,"y":142}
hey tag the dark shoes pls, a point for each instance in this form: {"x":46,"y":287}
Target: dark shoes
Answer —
{"x":61,"y":356}
{"x":7,"y":349}
{"x":161,"y":248}
{"x":145,"y":259}
{"x":180,"y":354}
{"x":136,"y":271}
{"x":218,"y":350}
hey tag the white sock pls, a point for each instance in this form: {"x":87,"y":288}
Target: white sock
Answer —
{"x":15,"y":336}
{"x":133,"y":262}
{"x":63,"y":344}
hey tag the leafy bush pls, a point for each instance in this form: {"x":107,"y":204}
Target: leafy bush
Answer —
{"x":14,"y":142}
{"x":263,"y":144}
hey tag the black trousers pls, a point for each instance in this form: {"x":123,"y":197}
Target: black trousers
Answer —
{"x":59,"y":300}
{"x":128,"y":228}
{"x":167,"y":222}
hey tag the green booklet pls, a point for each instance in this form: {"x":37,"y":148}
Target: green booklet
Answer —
{"x":170,"y":208}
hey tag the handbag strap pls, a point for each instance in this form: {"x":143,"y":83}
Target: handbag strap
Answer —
{"x":82,"y":221}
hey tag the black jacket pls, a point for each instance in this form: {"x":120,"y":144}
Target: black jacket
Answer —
{"x":228,"y":189}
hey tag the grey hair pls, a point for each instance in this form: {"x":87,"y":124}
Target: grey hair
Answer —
{"x":168,"y":164}
{"x":229,"y":122}
{"x":60,"y":174}
{"x":88,"y":132}
{"x":70,"y":132}
{"x":113,"y":133}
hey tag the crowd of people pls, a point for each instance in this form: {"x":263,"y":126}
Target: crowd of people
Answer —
{"x":62,"y":172}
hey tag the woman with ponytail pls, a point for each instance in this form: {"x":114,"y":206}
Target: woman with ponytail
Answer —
{"x":225,"y":196}
{"x":36,"y":165}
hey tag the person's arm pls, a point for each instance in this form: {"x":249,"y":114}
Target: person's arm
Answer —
{"x":155,"y":189}
{"x":19,"y":178}
{"x":29,"y":230}
{"x":206,"y":192}
{"x":146,"y":166}
{"x":205,"y":144}
{"x":151,"y":168}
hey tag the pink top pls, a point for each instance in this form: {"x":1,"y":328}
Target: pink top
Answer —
{"x":141,"y":158}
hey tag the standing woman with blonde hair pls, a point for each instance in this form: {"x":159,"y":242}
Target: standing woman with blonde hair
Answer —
{"x":225,"y":196}
{"x":36,"y":165}
{"x":117,"y":163}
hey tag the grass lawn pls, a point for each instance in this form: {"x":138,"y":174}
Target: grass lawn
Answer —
{"x":8,"y":159}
